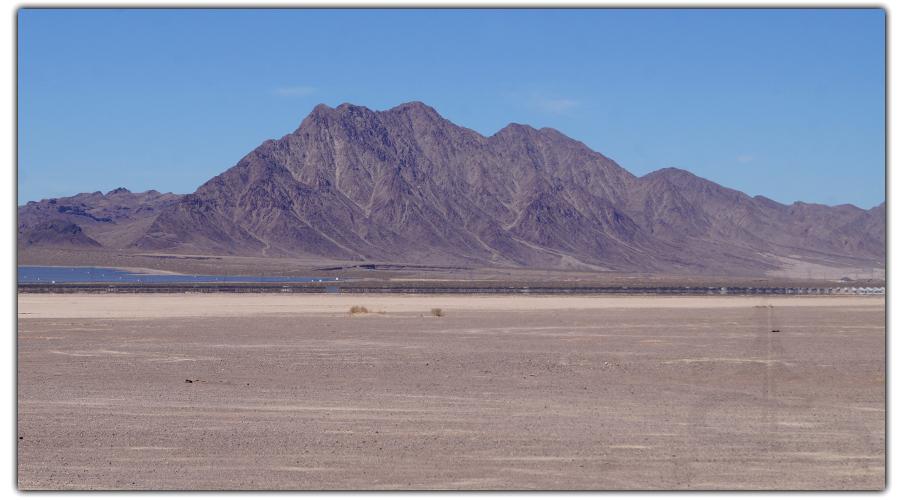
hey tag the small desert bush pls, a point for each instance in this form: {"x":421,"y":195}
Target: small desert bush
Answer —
{"x":358,"y":310}
{"x":437,"y":312}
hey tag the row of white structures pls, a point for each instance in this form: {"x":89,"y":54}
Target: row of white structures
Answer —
{"x":860,"y":291}
{"x":823,"y":291}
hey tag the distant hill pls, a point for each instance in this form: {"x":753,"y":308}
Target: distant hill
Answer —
{"x":109,"y":219}
{"x":407,"y":186}
{"x":55,"y":233}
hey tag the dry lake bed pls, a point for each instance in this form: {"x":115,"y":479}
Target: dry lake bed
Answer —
{"x":225,"y":391}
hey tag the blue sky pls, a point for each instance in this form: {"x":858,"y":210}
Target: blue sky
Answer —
{"x":788,"y":104}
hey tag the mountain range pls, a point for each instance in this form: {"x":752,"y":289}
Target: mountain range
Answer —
{"x":408,"y":186}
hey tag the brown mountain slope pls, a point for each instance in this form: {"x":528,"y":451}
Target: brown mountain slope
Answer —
{"x":759,"y":223}
{"x":406,"y":185}
{"x":55,"y":233}
{"x":113,"y":219}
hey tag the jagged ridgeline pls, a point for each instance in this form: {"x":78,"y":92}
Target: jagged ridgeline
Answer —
{"x":407,"y":186}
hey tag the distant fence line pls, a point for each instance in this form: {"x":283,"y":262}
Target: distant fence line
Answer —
{"x":405,"y":289}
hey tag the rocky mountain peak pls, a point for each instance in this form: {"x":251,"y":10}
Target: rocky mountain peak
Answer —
{"x":414,"y":107}
{"x":408,"y":186}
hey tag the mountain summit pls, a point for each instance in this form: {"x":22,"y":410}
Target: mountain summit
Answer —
{"x":406,"y":185}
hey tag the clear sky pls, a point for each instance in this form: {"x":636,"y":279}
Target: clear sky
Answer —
{"x":788,"y":104}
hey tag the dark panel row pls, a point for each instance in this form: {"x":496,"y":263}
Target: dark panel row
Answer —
{"x":282,"y":288}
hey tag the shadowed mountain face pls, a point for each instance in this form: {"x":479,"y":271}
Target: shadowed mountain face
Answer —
{"x":55,"y":233}
{"x":407,"y":186}
{"x":113,"y":219}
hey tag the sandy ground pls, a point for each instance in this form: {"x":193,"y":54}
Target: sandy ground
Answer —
{"x":204,"y":305}
{"x":609,"y":393}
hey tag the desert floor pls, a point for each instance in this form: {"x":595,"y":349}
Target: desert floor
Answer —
{"x":224,"y":391}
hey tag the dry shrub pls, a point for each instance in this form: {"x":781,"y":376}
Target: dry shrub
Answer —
{"x":437,"y":312}
{"x":358,"y":310}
